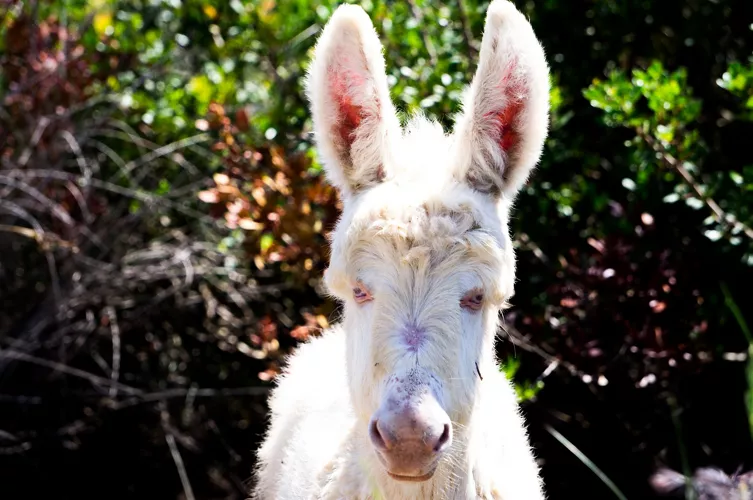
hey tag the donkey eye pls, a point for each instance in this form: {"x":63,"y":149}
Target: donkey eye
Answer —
{"x":473,"y":300}
{"x":361,"y":293}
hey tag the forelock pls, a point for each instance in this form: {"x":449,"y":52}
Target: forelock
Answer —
{"x":427,"y":235}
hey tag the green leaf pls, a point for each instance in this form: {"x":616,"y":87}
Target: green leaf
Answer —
{"x":266,"y":241}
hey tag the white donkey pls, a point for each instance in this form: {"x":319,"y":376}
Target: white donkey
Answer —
{"x":404,"y":399}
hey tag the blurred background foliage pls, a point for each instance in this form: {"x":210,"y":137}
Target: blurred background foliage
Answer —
{"x":163,"y":223}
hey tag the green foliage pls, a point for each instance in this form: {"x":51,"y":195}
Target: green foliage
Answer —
{"x":667,"y":97}
{"x":738,"y":79}
{"x":525,"y":389}
{"x":659,"y":107}
{"x":196,"y":212}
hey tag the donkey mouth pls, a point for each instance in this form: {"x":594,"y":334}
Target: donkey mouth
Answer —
{"x":413,"y":479}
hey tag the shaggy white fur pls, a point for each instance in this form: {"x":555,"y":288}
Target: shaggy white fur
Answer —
{"x":425,"y":224}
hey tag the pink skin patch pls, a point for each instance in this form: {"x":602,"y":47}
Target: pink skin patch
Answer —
{"x":504,"y":118}
{"x":406,"y":389}
{"x":414,"y":337}
{"x":341,"y":80}
{"x":345,"y":81}
{"x":473,"y":300}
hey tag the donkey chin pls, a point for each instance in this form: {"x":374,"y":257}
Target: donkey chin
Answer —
{"x":411,"y":431}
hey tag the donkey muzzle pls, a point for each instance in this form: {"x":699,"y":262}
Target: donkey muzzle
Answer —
{"x":410,"y":431}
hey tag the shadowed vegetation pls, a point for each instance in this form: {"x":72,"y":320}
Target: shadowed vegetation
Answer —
{"x":163,"y":225}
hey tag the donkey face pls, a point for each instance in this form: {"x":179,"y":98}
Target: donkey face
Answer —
{"x":422,"y":257}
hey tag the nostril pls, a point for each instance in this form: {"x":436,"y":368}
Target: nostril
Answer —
{"x":376,"y":436}
{"x":444,"y":439}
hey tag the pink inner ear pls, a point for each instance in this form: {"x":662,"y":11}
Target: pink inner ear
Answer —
{"x":504,"y":118}
{"x":342,"y":83}
{"x":508,"y":136}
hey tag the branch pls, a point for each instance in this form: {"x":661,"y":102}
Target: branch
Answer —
{"x":467,"y":33}
{"x":115,"y":329}
{"x":554,"y":362}
{"x":419,"y":15}
{"x":196,"y":393}
{"x":68,"y":370}
{"x":719,"y":214}
{"x":177,"y":458}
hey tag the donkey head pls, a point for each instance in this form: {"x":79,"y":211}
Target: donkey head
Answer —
{"x":421,"y":257}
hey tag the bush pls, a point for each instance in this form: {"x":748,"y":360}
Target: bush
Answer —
{"x":164,"y":222}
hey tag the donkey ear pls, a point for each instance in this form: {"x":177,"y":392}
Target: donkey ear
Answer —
{"x":353,"y":114}
{"x":504,"y":123}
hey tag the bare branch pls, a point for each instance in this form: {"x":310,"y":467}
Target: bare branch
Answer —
{"x":51,"y":264}
{"x":68,"y":370}
{"x":177,"y":458}
{"x":719,"y":214}
{"x":35,"y":137}
{"x":419,"y":15}
{"x":73,"y":144}
{"x":155,"y":397}
{"x":108,"y":186}
{"x":467,"y":32}
{"x":115,"y":329}
{"x":57,"y":210}
{"x":166,"y":150}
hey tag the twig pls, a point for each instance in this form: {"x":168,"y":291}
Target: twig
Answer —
{"x":51,"y":263}
{"x":419,"y":15}
{"x":97,"y":357}
{"x":73,"y":144}
{"x":15,"y":450}
{"x":179,"y":465}
{"x":81,"y":201}
{"x":115,"y":157}
{"x":466,"y":31}
{"x":588,"y":463}
{"x":177,"y":458}
{"x":74,"y":372}
{"x":166,"y":150}
{"x":233,"y":454}
{"x":113,"y":188}
{"x":56,"y":209}
{"x":35,"y":137}
{"x":719,"y":214}
{"x":196,"y":393}
{"x":519,"y":340}
{"x":533,"y":247}
{"x":23,"y":231}
{"x":10,"y":437}
{"x":115,"y":329}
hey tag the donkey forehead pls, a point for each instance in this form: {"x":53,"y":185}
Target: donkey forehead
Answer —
{"x":396,"y":223}
{"x":395,"y":237}
{"x":424,"y":212}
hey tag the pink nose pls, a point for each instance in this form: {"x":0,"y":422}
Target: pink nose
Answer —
{"x":410,"y":440}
